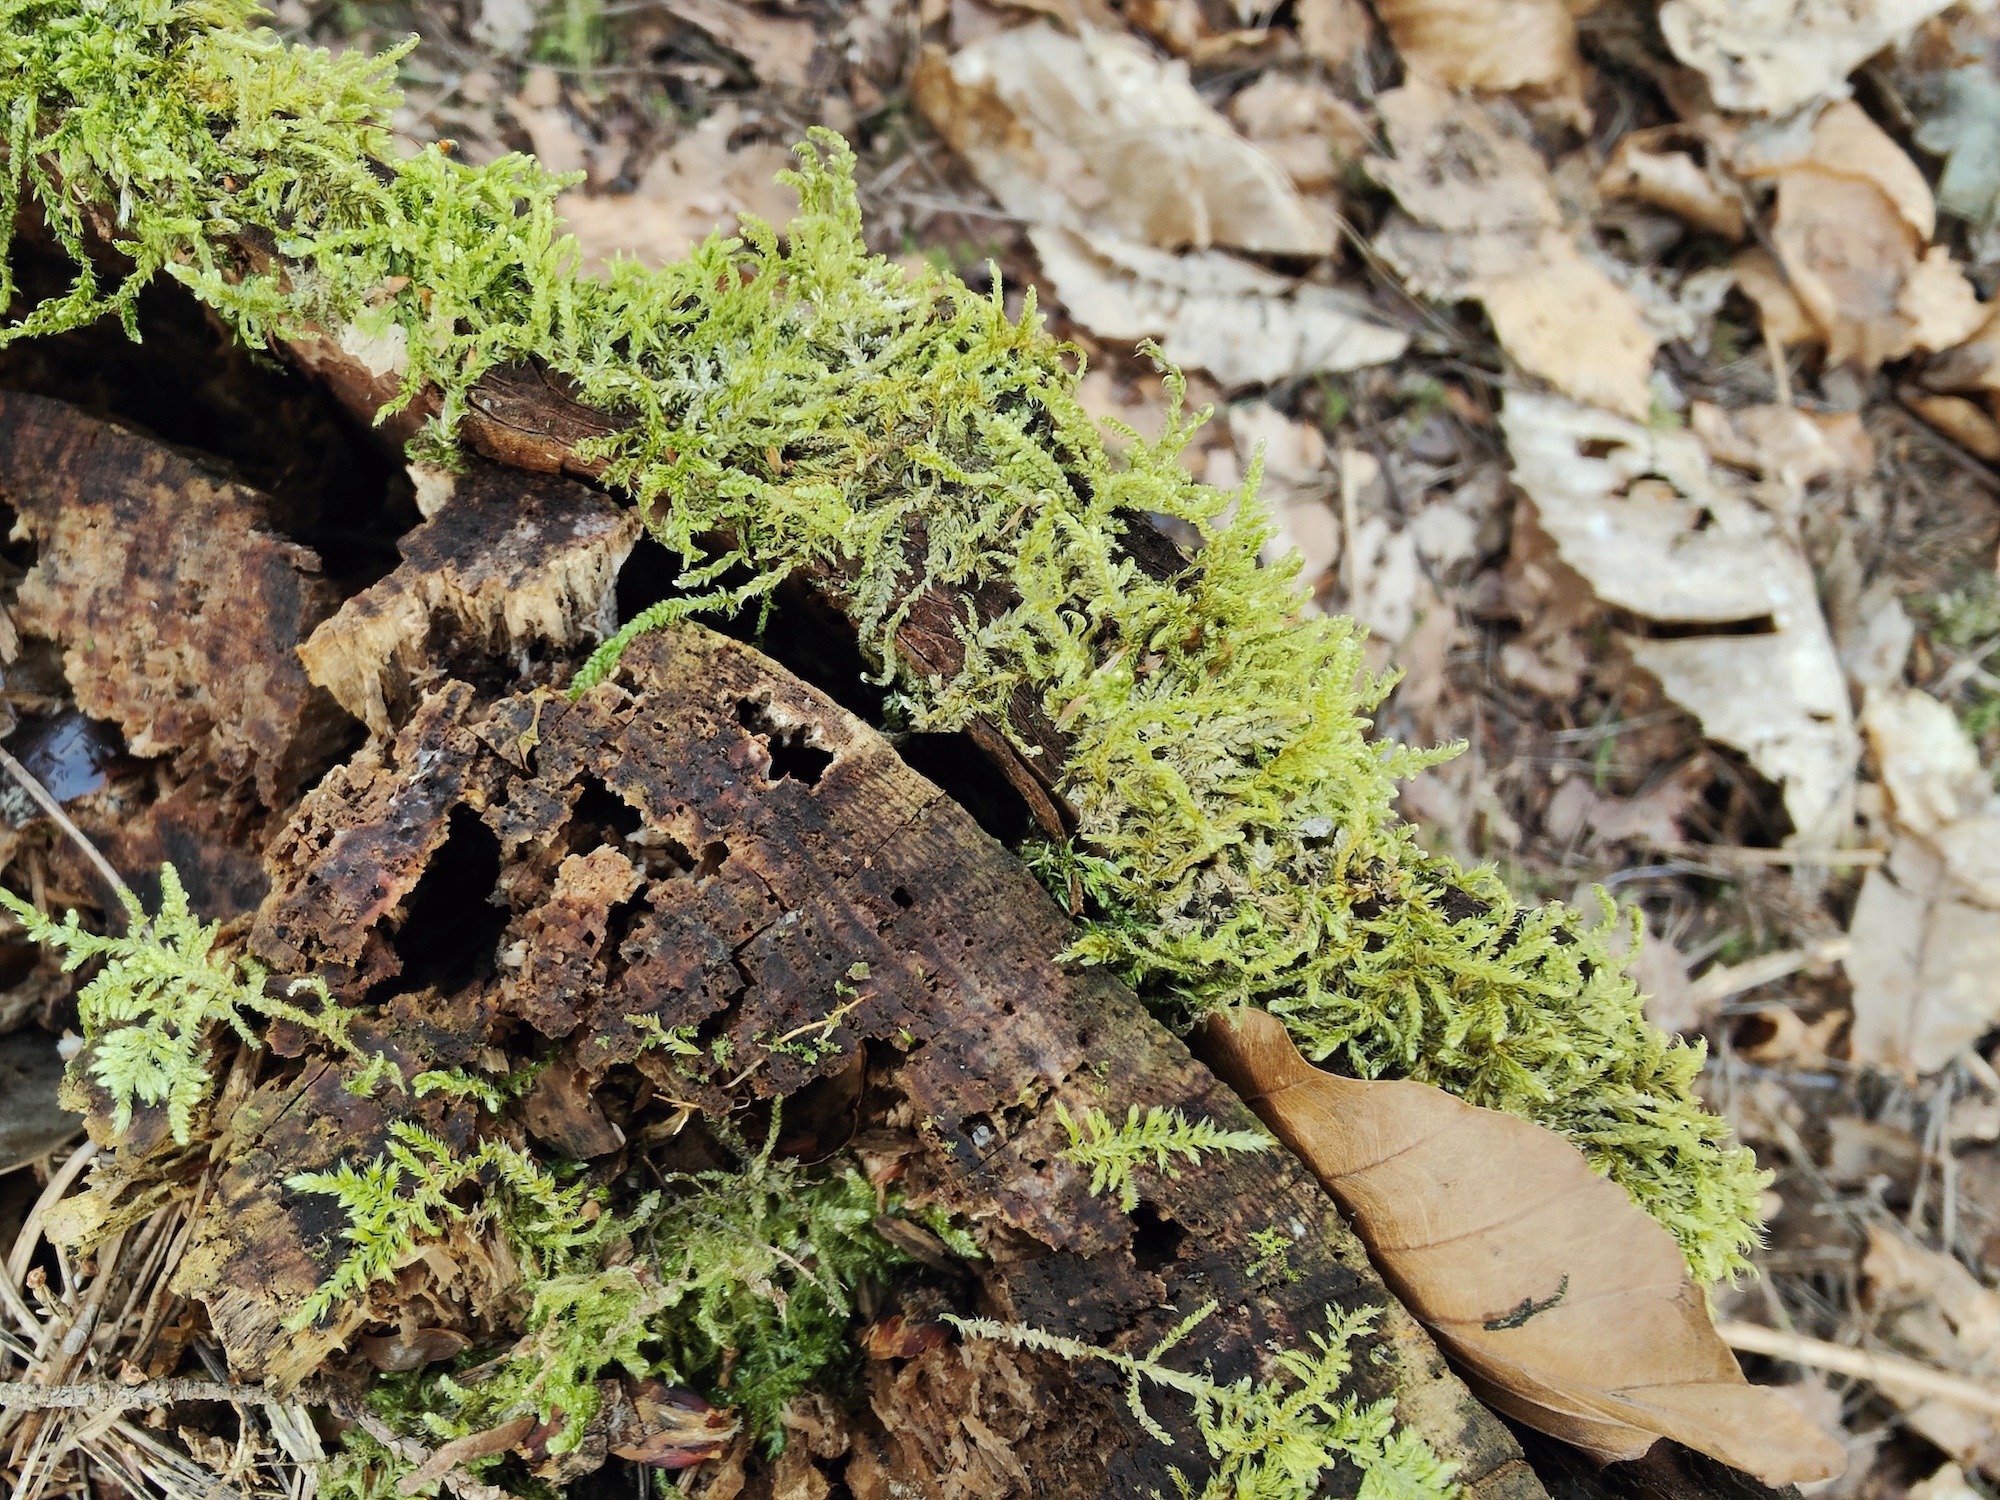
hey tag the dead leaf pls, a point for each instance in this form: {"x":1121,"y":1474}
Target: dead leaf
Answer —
{"x":1297,"y":484}
{"x":1485,"y":224}
{"x":1929,"y":1305}
{"x":1209,"y":310}
{"x":1854,"y":219}
{"x":1642,"y":517}
{"x":1779,"y":312}
{"x":1973,"y":365}
{"x":1097,"y":133}
{"x":1333,"y":31}
{"x":779,"y":49}
{"x":1924,"y":952}
{"x":1769,"y":56}
{"x":538,"y":109}
{"x":1306,"y":128}
{"x":1494,"y":45}
{"x":1565,"y":1306}
{"x":1670,"y":167}
{"x":1964,"y":422}
{"x":697,"y":186}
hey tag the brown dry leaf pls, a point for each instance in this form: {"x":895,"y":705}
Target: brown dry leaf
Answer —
{"x":1925,"y":935}
{"x":1647,"y":522}
{"x":1854,"y":219}
{"x":1097,"y":133}
{"x":1670,"y":167}
{"x":1769,"y":56}
{"x":1211,"y":311}
{"x":1564,"y":1305}
{"x":1333,"y":31}
{"x":1484,"y":223}
{"x":696,"y":186}
{"x":1781,"y":314}
{"x":1973,"y":365}
{"x":538,"y":110}
{"x":1494,"y":45}
{"x":1297,"y":484}
{"x":1964,"y":422}
{"x":1306,"y":128}
{"x":779,"y":49}
{"x":1929,"y":1305}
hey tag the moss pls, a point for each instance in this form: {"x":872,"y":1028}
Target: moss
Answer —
{"x":736,"y":1282}
{"x":147,"y":1015}
{"x":825,"y":407}
{"x":1269,"y":1439}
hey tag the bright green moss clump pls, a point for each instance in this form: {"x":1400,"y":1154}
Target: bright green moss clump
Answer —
{"x":822,"y":405}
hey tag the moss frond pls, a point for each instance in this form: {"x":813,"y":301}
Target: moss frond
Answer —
{"x":824,"y":407}
{"x":1113,"y":1151}
{"x":737,"y":1281}
{"x":164,"y":987}
{"x":1270,"y":1439}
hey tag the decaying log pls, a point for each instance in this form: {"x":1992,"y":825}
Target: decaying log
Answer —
{"x":704,"y":840}
{"x":150,"y":561}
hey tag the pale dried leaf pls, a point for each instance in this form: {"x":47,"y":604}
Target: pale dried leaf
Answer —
{"x":1779,"y":312}
{"x":1485,"y":223}
{"x":1572,"y":325}
{"x":1333,"y":30}
{"x":1640,"y":515}
{"x":1921,"y":963}
{"x":1566,"y":1307}
{"x":687,"y":192}
{"x":1095,"y":131}
{"x":1927,"y":762}
{"x":1659,"y":166}
{"x":1494,"y":45}
{"x":1973,"y":365}
{"x":779,"y":49}
{"x":1854,"y":215}
{"x":1964,"y":422}
{"x":1297,"y":483}
{"x":1209,"y":310}
{"x":1305,"y":127}
{"x":1769,"y":56}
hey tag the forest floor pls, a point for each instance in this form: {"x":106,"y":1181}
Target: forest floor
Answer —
{"x":1778,"y":744}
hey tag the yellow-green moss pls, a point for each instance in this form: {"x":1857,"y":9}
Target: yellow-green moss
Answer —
{"x":821,"y":405}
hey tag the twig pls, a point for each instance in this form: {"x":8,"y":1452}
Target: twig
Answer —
{"x":1889,"y":1370}
{"x":53,"y":808}
{"x":1724,"y":980}
{"x":1744,"y":854}
{"x":105,"y":1395}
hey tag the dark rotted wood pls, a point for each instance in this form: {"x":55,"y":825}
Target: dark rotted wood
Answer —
{"x":149,"y":560}
{"x":528,"y":418}
{"x":707,"y":841}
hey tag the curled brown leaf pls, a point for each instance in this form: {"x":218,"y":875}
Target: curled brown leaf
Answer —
{"x":1563,"y":1304}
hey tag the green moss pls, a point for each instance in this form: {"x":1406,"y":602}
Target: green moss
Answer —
{"x":824,"y":407}
{"x":1113,"y":1152}
{"x":148,"y":1014}
{"x":1269,"y":1439}
{"x":734,"y":1282}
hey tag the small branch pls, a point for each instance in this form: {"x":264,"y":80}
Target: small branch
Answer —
{"x":103,"y":1395}
{"x":53,"y":808}
{"x":1891,"y":1371}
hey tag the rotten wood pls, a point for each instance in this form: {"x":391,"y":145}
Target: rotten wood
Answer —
{"x":705,"y":840}
{"x":149,"y":562}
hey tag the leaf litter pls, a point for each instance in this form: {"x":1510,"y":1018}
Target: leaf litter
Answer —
{"x":1722,"y":640}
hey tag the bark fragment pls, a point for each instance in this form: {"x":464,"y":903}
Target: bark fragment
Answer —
{"x":511,"y":562}
{"x":149,"y":563}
